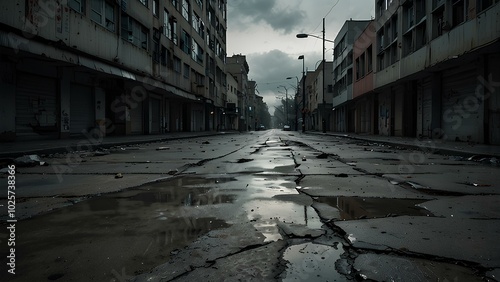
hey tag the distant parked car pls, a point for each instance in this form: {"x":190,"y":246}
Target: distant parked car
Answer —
{"x":262,"y":127}
{"x":286,"y":128}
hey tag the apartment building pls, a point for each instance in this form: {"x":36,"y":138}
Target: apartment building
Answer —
{"x":111,"y":67}
{"x":343,"y":111}
{"x":437,"y":71}
{"x":320,"y":97}
{"x":304,"y":104}
{"x":363,"y":95}
{"x":237,"y":67}
{"x":232,"y":106}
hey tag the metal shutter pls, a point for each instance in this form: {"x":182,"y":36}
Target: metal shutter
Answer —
{"x":82,"y":113}
{"x":36,"y":107}
{"x":461,"y":116}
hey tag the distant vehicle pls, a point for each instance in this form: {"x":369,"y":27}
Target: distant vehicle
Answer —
{"x":286,"y":128}
{"x":262,"y":127}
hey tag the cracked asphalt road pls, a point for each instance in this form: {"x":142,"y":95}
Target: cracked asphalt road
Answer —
{"x":266,"y":206}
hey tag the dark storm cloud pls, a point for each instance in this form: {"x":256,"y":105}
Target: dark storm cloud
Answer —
{"x":269,"y":70}
{"x":253,"y":12}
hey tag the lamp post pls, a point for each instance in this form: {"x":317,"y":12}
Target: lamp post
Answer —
{"x":301,"y":57}
{"x":304,"y":35}
{"x":286,"y":103}
{"x":295,"y":101}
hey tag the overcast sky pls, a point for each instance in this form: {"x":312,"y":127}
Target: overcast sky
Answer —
{"x":264,"y":31}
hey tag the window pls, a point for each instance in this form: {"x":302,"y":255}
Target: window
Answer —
{"x":175,"y":3}
{"x":134,"y":32}
{"x":394,"y":25}
{"x":369,"y":59}
{"x":196,"y":22}
{"x":197,"y":53}
{"x":409,"y":17}
{"x":380,"y":40}
{"x":156,"y":7}
{"x":169,"y":27}
{"x":185,"y":9}
{"x":177,"y":64}
{"x":163,"y":56}
{"x":217,"y":48}
{"x":438,"y":22}
{"x":420,"y":10}
{"x":103,"y":13}
{"x":357,"y":69}
{"x":77,"y":5}
{"x":200,"y":3}
{"x":186,"y":42}
{"x":362,"y":65}
{"x":484,"y":4}
{"x":381,"y":61}
{"x":156,"y":45}
{"x":144,"y":2}
{"x":459,"y":11}
{"x":186,"y":71}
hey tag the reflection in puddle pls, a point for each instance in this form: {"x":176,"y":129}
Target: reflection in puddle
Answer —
{"x":356,"y":207}
{"x":266,"y":213}
{"x":132,"y":231}
{"x":312,"y":262}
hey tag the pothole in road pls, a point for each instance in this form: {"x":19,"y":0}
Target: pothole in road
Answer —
{"x":312,"y":262}
{"x":240,"y":161}
{"x":357,"y":208}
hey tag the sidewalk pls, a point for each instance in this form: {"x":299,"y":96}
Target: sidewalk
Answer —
{"x":436,"y":146}
{"x":50,"y":146}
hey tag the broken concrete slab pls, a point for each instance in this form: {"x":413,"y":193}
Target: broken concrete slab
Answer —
{"x":356,"y":185}
{"x":216,"y":248}
{"x":257,"y":264}
{"x":486,"y":207}
{"x":325,"y":211}
{"x":454,"y":238}
{"x":28,"y":160}
{"x":380,"y":267}
{"x":308,"y":261}
{"x":298,"y":230}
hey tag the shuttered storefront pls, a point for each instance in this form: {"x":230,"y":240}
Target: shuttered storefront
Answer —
{"x":36,"y":107}
{"x":462,"y":112}
{"x":424,"y":110}
{"x":82,"y":113}
{"x":494,"y":100}
{"x":136,"y":118}
{"x":155,"y":115}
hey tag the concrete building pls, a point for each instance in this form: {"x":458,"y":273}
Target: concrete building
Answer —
{"x":237,"y":66}
{"x":305,"y":91}
{"x":437,"y":71}
{"x":363,"y":95}
{"x":320,"y":97}
{"x":343,"y":110}
{"x":232,"y":106}
{"x":111,"y":67}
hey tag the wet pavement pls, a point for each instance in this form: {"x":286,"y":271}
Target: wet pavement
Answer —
{"x":266,"y":206}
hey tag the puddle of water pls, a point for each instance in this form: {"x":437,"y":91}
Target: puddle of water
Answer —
{"x":127,"y":232}
{"x":356,"y":207}
{"x":312,"y":262}
{"x":265,"y":215}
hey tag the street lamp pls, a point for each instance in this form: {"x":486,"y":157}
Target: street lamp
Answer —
{"x":295,"y":101}
{"x":305,"y":35}
{"x":301,"y":57}
{"x":286,"y":103}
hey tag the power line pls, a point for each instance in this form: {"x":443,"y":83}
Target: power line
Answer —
{"x":327,"y":13}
